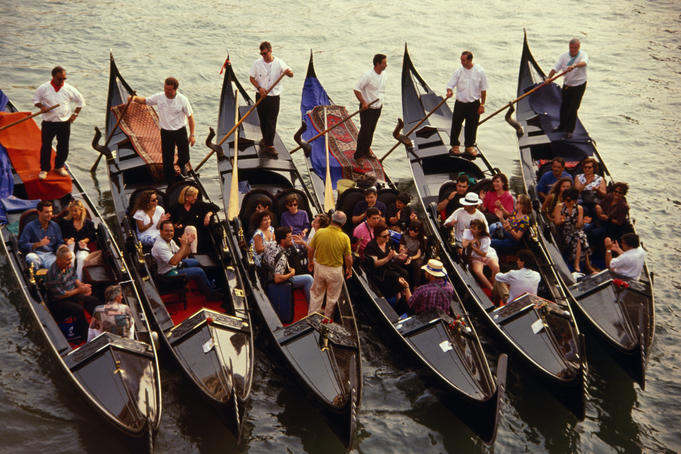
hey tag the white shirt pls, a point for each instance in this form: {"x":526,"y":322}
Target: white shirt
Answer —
{"x":519,"y":282}
{"x":469,"y":83}
{"x":162,"y":252}
{"x":67,"y":97}
{"x":629,"y":263}
{"x":463,"y":221}
{"x":152,"y":232}
{"x":266,"y":74}
{"x":372,"y":86}
{"x":485,"y":245}
{"x":172,"y":113}
{"x":578,"y":75}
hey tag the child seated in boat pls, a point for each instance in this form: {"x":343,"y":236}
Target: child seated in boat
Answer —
{"x":359,"y":213}
{"x":477,"y":243}
{"x":400,"y":213}
{"x":461,"y":218}
{"x":294,"y":217}
{"x":555,"y":196}
{"x":113,"y":316}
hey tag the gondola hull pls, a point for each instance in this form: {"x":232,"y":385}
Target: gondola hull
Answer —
{"x":623,"y":316}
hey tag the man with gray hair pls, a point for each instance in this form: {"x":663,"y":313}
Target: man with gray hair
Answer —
{"x":328,"y":250}
{"x":574,"y":83}
{"x":113,"y":316}
{"x":67,"y":295}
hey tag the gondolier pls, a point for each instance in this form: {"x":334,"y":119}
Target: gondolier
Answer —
{"x":56,"y":122}
{"x":371,"y":86}
{"x":174,"y":111}
{"x":574,"y":84}
{"x":264,"y":73}
{"x":471,"y":91}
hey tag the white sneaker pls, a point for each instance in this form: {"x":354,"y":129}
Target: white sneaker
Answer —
{"x":42,"y":175}
{"x":62,"y":171}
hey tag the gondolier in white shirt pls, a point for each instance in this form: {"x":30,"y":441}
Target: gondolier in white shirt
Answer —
{"x":174,"y":111}
{"x":264,"y":73}
{"x":56,"y":122}
{"x":371,"y":86}
{"x":574,"y":84}
{"x":471,"y":91}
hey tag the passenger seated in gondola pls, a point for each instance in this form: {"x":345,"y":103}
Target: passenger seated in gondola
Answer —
{"x":113,"y":316}
{"x":172,"y":259}
{"x":547,"y":180}
{"x":359,"y":213}
{"x":264,"y":234}
{"x":630,"y":256}
{"x":451,"y":200}
{"x":276,"y":257}
{"x":400,"y":213}
{"x":79,"y":234}
{"x":191,"y":212}
{"x":461,"y":218}
{"x":319,"y":222}
{"x":569,"y":218}
{"x":611,"y":215}
{"x":555,"y":196}
{"x":508,"y":286}
{"x":413,"y":248}
{"x":383,"y":269}
{"x":591,"y":187}
{"x":498,"y":198}
{"x":40,"y":237}
{"x":67,"y":295}
{"x":508,"y":232}
{"x":365,"y":230}
{"x":148,"y":216}
{"x":294,"y":217}
{"x":477,"y":244}
{"x":435,"y":296}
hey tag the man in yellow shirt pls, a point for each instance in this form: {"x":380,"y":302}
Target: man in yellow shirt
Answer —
{"x":328,"y":250}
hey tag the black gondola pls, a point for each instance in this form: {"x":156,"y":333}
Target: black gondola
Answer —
{"x":119,"y":377}
{"x":461,"y":371}
{"x":533,"y":328}
{"x":211,"y":341}
{"x":326,"y":357}
{"x":623,"y":315}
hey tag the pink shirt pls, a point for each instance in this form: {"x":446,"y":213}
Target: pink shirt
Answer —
{"x":490,"y":200}
{"x":364,"y":233}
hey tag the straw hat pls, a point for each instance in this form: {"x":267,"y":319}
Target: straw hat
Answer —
{"x":471,"y":199}
{"x":435,"y":268}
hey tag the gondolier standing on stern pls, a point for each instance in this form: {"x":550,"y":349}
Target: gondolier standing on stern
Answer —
{"x":471,"y":91}
{"x":173,"y":108}
{"x":56,"y":122}
{"x":574,"y":61}
{"x":264,"y":73}
{"x":371,"y":86}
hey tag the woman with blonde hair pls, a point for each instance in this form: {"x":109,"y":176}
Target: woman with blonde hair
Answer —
{"x":192,"y":216}
{"x":79,"y":234}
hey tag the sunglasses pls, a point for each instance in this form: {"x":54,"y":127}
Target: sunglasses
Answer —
{"x":385,"y":235}
{"x":264,"y":52}
{"x":294,"y":204}
{"x":587,"y":167}
{"x":154,"y":200}
{"x":61,"y":79}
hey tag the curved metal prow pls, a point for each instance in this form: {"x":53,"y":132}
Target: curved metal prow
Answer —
{"x":513,"y":122}
{"x":103,"y":149}
{"x":216,"y":148}
{"x":397,"y":134}
{"x":307,"y":149}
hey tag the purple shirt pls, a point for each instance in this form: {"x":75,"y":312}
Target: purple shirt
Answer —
{"x":434,"y":296}
{"x":298,"y":222}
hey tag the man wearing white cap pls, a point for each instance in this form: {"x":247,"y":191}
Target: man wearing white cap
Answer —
{"x":461,"y":217}
{"x":328,"y":250}
{"x":434,"y":296}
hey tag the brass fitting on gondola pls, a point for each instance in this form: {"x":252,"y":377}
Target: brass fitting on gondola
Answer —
{"x":31,"y":274}
{"x":225,"y":249}
{"x":533,"y":233}
{"x":240,"y":238}
{"x":140,"y":251}
{"x":324,"y":337}
{"x":251,"y":251}
{"x":118,"y":367}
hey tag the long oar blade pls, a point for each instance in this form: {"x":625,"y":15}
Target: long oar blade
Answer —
{"x":233,"y":207}
{"x":328,"y":187}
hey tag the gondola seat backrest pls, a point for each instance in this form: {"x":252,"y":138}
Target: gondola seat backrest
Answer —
{"x":27,"y":217}
{"x":447,"y":188}
{"x":248,"y":204}
{"x":388,"y":197}
{"x":347,"y":202}
{"x":165,"y":284}
{"x":279,"y":204}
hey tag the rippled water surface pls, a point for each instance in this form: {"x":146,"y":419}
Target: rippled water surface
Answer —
{"x":631,"y":108}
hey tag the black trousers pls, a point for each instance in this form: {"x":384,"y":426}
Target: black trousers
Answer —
{"x":569,"y":105}
{"x":73,"y":307}
{"x":368,"y":120}
{"x":169,"y":139}
{"x":268,"y":111}
{"x":51,"y":129}
{"x":465,"y":111}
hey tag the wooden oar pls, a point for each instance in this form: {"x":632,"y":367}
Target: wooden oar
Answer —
{"x":28,"y":118}
{"x":233,"y":207}
{"x":414,"y":128}
{"x":111,"y":133}
{"x":231,"y":131}
{"x":328,"y":187}
{"x":543,"y":84}
{"x":326,"y":130}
